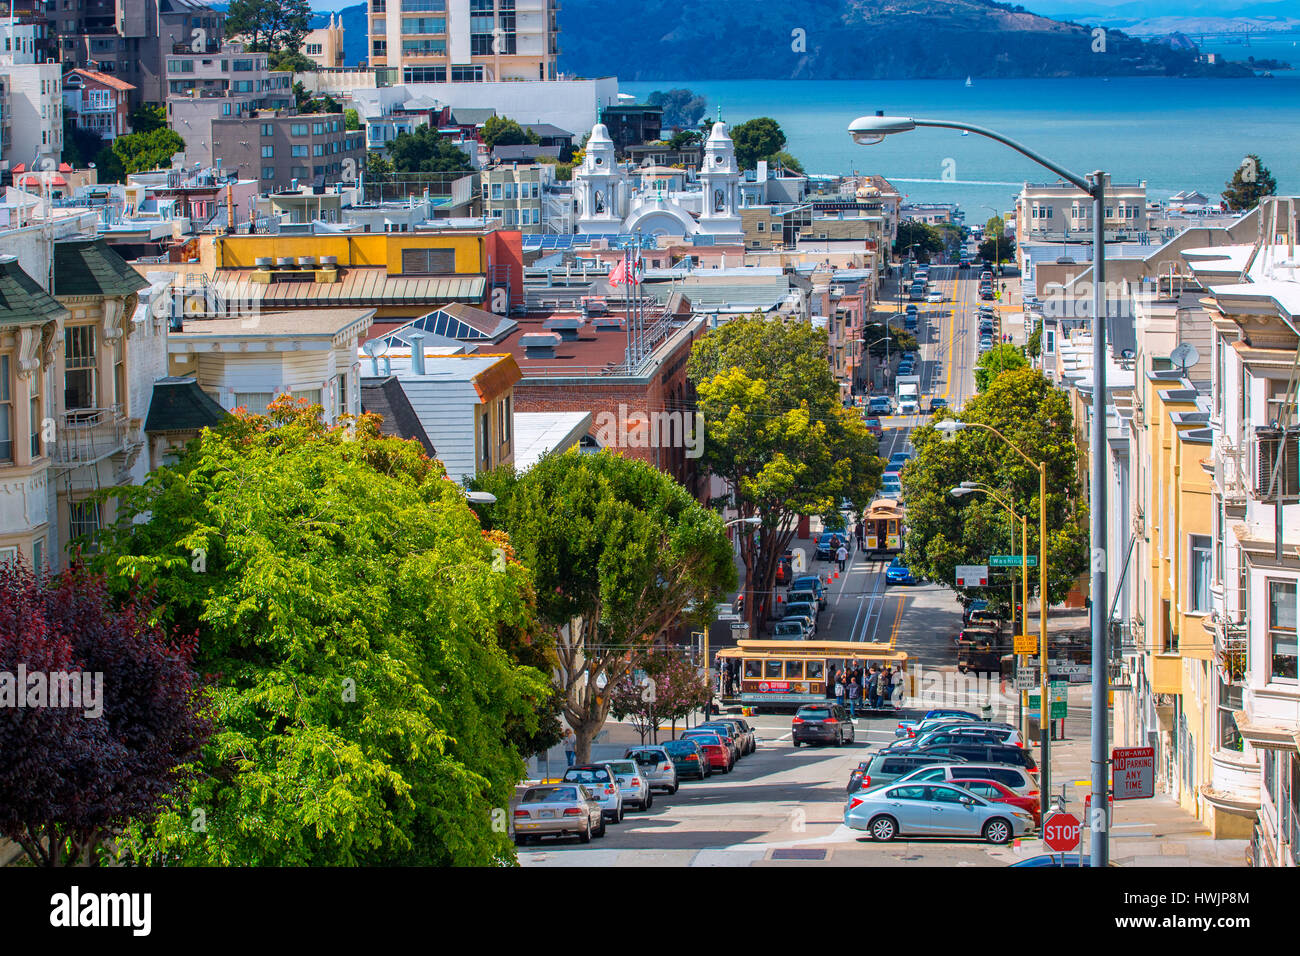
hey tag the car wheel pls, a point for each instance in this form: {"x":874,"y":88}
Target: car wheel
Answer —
{"x":883,"y":829}
{"x":649,"y":801}
{"x":601,"y":831}
{"x":795,"y":742}
{"x":585,"y":835}
{"x":997,"y":830}
{"x":618,"y":814}
{"x":839,"y":740}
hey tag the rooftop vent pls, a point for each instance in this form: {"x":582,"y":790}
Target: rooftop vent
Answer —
{"x":539,"y":345}
{"x":307,"y":262}
{"x":284,"y":262}
{"x":264,"y":262}
{"x":607,"y":323}
{"x":567,"y":329}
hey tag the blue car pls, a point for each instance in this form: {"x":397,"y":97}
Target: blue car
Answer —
{"x":898,"y":573}
{"x":905,"y":727}
{"x":1055,"y":859}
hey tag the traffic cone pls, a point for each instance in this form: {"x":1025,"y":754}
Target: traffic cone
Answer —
{"x":837,"y":574}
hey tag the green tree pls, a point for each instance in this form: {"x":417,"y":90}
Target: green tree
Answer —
{"x":315,"y":104}
{"x":351,"y":119}
{"x":563,"y":171}
{"x":757,"y":139}
{"x":943,"y":532}
{"x":1251,"y":182}
{"x":424,"y":151}
{"x":779,"y":436}
{"x":80,"y":146}
{"x":678,"y":690}
{"x":927,"y":238}
{"x":1034,"y":346}
{"x":137,"y":152}
{"x":782,"y":158}
{"x":682,"y":108}
{"x":997,"y":246}
{"x":899,"y":339}
{"x":503,"y":131}
{"x":1001,"y":358}
{"x":684,"y":138}
{"x":147,"y":117}
{"x":353,"y":613}
{"x":291,"y":61}
{"x":618,"y":551}
{"x":269,"y":25}
{"x":378,"y":166}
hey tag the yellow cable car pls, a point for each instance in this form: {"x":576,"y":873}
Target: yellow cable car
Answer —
{"x":883,"y":526}
{"x":786,"y":674}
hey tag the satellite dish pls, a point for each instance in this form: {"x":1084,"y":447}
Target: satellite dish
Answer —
{"x":376,"y":348}
{"x":1185,"y":354}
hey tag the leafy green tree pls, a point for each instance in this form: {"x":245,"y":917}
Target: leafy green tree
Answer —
{"x":351,"y":119}
{"x":1034,"y":346}
{"x":943,"y":531}
{"x":618,"y":551}
{"x":682,"y":108}
{"x":782,"y":158}
{"x":997,"y":246}
{"x":147,"y":117}
{"x":424,"y":151}
{"x":678,"y":690}
{"x":269,"y":25}
{"x":503,"y":131}
{"x":353,"y":613}
{"x":779,"y":435}
{"x":137,"y":152}
{"x":1001,"y":358}
{"x":378,"y":166}
{"x":684,"y":138}
{"x":757,"y":139}
{"x":899,"y":339}
{"x":927,"y":238}
{"x":314,"y":104}
{"x":563,"y":171}
{"x":1251,"y":182}
{"x":291,"y":61}
{"x":80,"y":146}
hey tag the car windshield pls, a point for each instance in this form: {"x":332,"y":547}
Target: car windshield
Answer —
{"x":550,"y":794}
{"x":680,"y":747}
{"x":595,"y":775}
{"x":711,"y":739}
{"x":648,"y":757}
{"x":623,"y":766}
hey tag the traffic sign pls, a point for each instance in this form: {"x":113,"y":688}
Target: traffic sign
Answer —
{"x":972,"y":575}
{"x":1057,"y":698}
{"x":1133,"y":772}
{"x":1026,"y":680}
{"x":1010,"y":561}
{"x":1061,"y":832}
{"x":1026,"y":644}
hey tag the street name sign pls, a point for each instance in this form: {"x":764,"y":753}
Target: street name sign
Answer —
{"x":1133,"y":772}
{"x":1061,"y":832}
{"x":972,"y":575}
{"x":1010,"y":561}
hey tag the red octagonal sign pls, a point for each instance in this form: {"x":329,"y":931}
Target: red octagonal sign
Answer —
{"x":1061,"y":832}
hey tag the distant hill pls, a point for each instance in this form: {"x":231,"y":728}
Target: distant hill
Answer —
{"x":848,"y":39}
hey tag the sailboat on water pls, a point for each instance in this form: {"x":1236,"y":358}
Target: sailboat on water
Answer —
{"x":968,"y":82}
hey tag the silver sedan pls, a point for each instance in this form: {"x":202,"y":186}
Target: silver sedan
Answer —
{"x":933,"y":810}
{"x":558,"y":810}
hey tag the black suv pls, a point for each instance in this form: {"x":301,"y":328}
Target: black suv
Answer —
{"x":822,"y":724}
{"x":983,"y":753}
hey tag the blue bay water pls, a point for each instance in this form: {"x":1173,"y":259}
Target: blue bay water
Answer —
{"x":1174,"y":133}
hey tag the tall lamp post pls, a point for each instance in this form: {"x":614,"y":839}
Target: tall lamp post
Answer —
{"x":868,"y":130}
{"x":997,"y":258}
{"x":974,"y":487}
{"x":949,"y":427}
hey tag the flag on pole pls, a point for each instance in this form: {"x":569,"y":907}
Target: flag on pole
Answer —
{"x":620,"y":274}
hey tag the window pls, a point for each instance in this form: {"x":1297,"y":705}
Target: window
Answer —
{"x":38,"y":554}
{"x":268,"y":172}
{"x":268,"y":129}
{"x":34,"y":423}
{"x":342,"y":394}
{"x":79,"y":367}
{"x":298,"y":152}
{"x":254,"y":402}
{"x":1282,"y":630}
{"x":753,"y":670}
{"x":772,"y":670}
{"x":83,"y":520}
{"x":312,"y":396}
{"x":426,"y":48}
{"x":318,"y":149}
{"x":317,"y":129}
{"x":268,"y":152}
{"x":1199,"y":572}
{"x":503,"y":420}
{"x":424,"y":6}
{"x":297,"y":129}
{"x":6,"y":409}
{"x":485,"y":441}
{"x":435,"y":25}
{"x":8,"y":557}
{"x":1230,"y":701}
{"x":428,"y":261}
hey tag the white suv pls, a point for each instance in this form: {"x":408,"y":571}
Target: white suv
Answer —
{"x":1018,"y":779}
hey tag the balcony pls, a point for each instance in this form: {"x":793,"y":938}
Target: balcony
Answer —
{"x":88,"y":435}
{"x":1230,"y":475}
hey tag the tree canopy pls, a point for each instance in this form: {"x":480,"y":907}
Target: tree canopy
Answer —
{"x":779,"y":435}
{"x":1251,"y":181}
{"x":137,"y":152}
{"x":943,"y":532}
{"x":997,"y":246}
{"x":1001,"y":358}
{"x":927,"y":238}
{"x":503,"y":131}
{"x":618,"y":551}
{"x":424,"y":151}
{"x":759,"y":138}
{"x":356,"y":618}
{"x":270,"y":25}
{"x":682,"y":108}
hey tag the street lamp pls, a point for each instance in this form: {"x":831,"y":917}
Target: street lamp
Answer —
{"x":949,"y":428}
{"x":997,"y":258}
{"x":974,"y":487}
{"x":480,"y":497}
{"x":867,"y":130}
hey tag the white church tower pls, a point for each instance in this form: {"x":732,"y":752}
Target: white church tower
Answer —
{"x":720,"y":181}
{"x":599,"y":190}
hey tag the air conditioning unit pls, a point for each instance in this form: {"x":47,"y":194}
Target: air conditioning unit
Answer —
{"x":1277,"y":479}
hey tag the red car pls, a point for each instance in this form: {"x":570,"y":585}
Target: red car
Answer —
{"x":715,"y":748}
{"x":1000,"y":793}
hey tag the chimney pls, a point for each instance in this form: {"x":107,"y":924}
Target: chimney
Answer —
{"x":417,"y":353}
{"x":388,"y":365}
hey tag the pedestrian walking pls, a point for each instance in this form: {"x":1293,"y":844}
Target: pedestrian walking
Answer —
{"x":854,"y":691}
{"x":570,"y":741}
{"x":842,"y":555}
{"x":873,"y":695}
{"x":861,"y":535}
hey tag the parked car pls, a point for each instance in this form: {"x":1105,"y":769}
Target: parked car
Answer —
{"x":656,"y":765}
{"x":955,"y":725}
{"x":558,"y":810}
{"x":728,"y":733}
{"x":1056,"y":859}
{"x":632,"y":783}
{"x":805,"y":596}
{"x":689,"y":759}
{"x":805,"y":617}
{"x":996,"y":792}
{"x":908,"y":727}
{"x":601,"y":781}
{"x":1022,"y":781}
{"x":898,"y":572}
{"x":880,"y":404}
{"x":884,"y":768}
{"x":937,"y":403}
{"x":811,"y":582}
{"x":970,"y":733}
{"x":985,"y":753}
{"x":873,"y":426}
{"x":744,"y":732}
{"x":931,"y":809}
{"x":822,"y":723}
{"x":715,"y":747}
{"x":791,"y":630}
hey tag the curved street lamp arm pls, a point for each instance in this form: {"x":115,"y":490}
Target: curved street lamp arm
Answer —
{"x":1018,"y":147}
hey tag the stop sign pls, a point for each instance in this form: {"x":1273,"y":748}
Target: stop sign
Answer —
{"x":1061,"y":832}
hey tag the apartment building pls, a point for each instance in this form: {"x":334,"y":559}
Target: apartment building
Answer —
{"x":35,"y":114}
{"x":278,"y":149}
{"x":98,"y":102}
{"x":132,"y":39}
{"x":517,"y":197}
{"x":220,"y":84}
{"x":464,"y":41}
{"x":324,"y":45}
{"x":1061,"y":213}
{"x":24,"y":42}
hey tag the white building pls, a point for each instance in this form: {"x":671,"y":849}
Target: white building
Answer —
{"x":35,"y":114}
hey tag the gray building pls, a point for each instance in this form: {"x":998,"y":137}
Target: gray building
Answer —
{"x":277,"y":148}
{"x":228,"y":83}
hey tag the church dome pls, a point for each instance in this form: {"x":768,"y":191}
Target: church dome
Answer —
{"x":599,"y":134}
{"x":719,"y":134}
